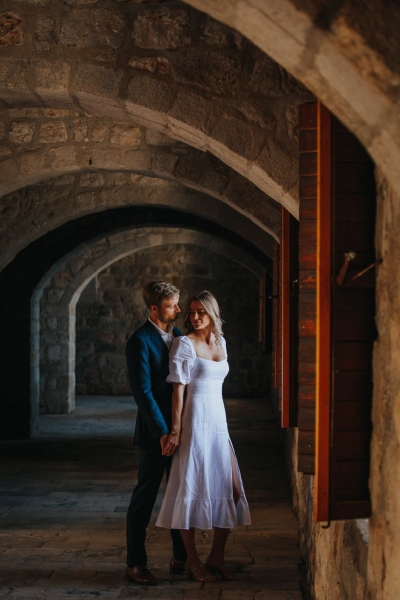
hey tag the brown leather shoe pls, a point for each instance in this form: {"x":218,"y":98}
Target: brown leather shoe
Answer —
{"x":140,"y":575}
{"x":176,"y":567}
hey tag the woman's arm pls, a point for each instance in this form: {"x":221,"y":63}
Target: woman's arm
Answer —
{"x":172,"y":442}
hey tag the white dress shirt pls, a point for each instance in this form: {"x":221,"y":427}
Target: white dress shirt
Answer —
{"x":168,"y":335}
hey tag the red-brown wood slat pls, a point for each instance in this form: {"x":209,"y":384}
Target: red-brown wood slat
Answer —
{"x":345,"y":323}
{"x":289,"y":319}
{"x":323,"y":328}
{"x":307,"y":286}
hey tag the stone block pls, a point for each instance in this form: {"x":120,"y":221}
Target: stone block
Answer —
{"x":125,"y":135}
{"x":5,"y":151}
{"x":2,"y":129}
{"x":97,"y":81}
{"x":91,"y":180}
{"x":163,"y":163}
{"x":11,"y":29}
{"x":93,"y":27}
{"x":56,"y":113}
{"x":196,"y":110}
{"x":239,"y":136}
{"x":51,"y":132}
{"x":32,"y":162}
{"x":163,"y":29}
{"x":21,"y":132}
{"x":51,"y":76}
{"x":62,"y":157}
{"x":99,"y":131}
{"x":220,"y":35}
{"x":155,"y":138}
{"x":154,"y":64}
{"x":209,"y":70}
{"x":8,"y":169}
{"x":45,"y":37}
{"x":151,"y":93}
{"x":106,"y":157}
{"x":137,"y":159}
{"x":279,"y":163}
{"x":12,"y":77}
{"x":79,"y":130}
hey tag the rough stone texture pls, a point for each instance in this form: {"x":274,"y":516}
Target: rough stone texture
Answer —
{"x":45,"y":35}
{"x":11,"y":29}
{"x":162,"y":29}
{"x":21,"y":132}
{"x":93,"y":27}
{"x":209,"y":71}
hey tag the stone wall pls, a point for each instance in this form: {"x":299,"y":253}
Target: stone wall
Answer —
{"x":111,"y":308}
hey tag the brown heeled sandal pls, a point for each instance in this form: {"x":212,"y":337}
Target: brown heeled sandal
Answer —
{"x":222,"y":571}
{"x":193,"y":573}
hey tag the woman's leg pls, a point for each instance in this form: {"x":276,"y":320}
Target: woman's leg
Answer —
{"x":216,"y":559}
{"x":193,"y":562}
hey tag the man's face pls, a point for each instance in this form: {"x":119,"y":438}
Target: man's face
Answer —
{"x":168,"y":311}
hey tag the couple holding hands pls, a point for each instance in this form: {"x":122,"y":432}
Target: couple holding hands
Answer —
{"x":181,"y":430}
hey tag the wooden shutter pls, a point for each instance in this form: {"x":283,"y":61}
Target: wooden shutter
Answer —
{"x":307,"y":286}
{"x":345,"y":322}
{"x":289,"y":318}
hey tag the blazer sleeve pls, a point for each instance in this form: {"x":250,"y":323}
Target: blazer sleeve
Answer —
{"x":139,"y":370}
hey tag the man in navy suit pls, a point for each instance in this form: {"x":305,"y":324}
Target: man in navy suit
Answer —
{"x":147,"y":354}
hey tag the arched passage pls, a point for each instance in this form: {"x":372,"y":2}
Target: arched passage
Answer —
{"x":20,"y":278}
{"x":53,"y":317}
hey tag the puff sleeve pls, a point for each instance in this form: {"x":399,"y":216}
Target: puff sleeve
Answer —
{"x":181,"y":359}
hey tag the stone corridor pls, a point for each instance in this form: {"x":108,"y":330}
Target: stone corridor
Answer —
{"x":63,"y":500}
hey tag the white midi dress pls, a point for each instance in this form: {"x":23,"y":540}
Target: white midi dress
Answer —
{"x":199,"y":492}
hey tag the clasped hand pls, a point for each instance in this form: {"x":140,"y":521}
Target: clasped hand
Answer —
{"x":169,"y":443}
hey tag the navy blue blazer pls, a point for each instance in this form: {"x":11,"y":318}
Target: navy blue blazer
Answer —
{"x":147,"y":357}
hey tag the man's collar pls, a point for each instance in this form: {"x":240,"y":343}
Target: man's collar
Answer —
{"x":161,"y":331}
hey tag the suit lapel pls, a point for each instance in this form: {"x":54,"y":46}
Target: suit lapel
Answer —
{"x":156,"y":337}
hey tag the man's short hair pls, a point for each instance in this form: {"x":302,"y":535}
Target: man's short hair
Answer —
{"x":155,"y":292}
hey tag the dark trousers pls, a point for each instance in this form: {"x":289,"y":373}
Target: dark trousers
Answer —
{"x":152,"y":466}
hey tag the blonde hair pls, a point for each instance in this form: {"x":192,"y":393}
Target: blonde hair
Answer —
{"x":155,"y":292}
{"x":210,"y":305}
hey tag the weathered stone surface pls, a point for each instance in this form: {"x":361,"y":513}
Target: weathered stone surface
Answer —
{"x":45,"y":35}
{"x":163,"y":29}
{"x":106,"y":157}
{"x":32,"y":162}
{"x":209,"y":70}
{"x":2,"y":129}
{"x":62,"y":157}
{"x":51,"y":76}
{"x":125,"y":135}
{"x":196,"y":110}
{"x":21,"y":132}
{"x":157,"y":64}
{"x":7,"y":168}
{"x":91,"y":180}
{"x":5,"y":151}
{"x":220,"y":35}
{"x":265,"y":77}
{"x":239,"y":136}
{"x":151,"y":93}
{"x":53,"y":131}
{"x":93,"y":27}
{"x":11,"y":29}
{"x":79,"y":130}
{"x":12,"y":75}
{"x":97,"y":81}
{"x":99,"y":131}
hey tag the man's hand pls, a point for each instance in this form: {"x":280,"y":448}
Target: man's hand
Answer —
{"x":163,"y":441}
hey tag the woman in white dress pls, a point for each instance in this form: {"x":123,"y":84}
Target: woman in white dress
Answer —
{"x":205,"y":488}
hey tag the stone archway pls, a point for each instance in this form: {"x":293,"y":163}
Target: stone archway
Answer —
{"x":55,"y":298}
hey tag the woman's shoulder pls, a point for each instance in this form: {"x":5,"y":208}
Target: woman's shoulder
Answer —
{"x":182,"y":346}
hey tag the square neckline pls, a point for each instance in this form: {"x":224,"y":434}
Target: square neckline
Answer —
{"x":200,"y":357}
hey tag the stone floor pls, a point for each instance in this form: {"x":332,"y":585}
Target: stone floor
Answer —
{"x":64,"y":495}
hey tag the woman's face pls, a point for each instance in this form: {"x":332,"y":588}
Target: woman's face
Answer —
{"x":198,"y":316}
